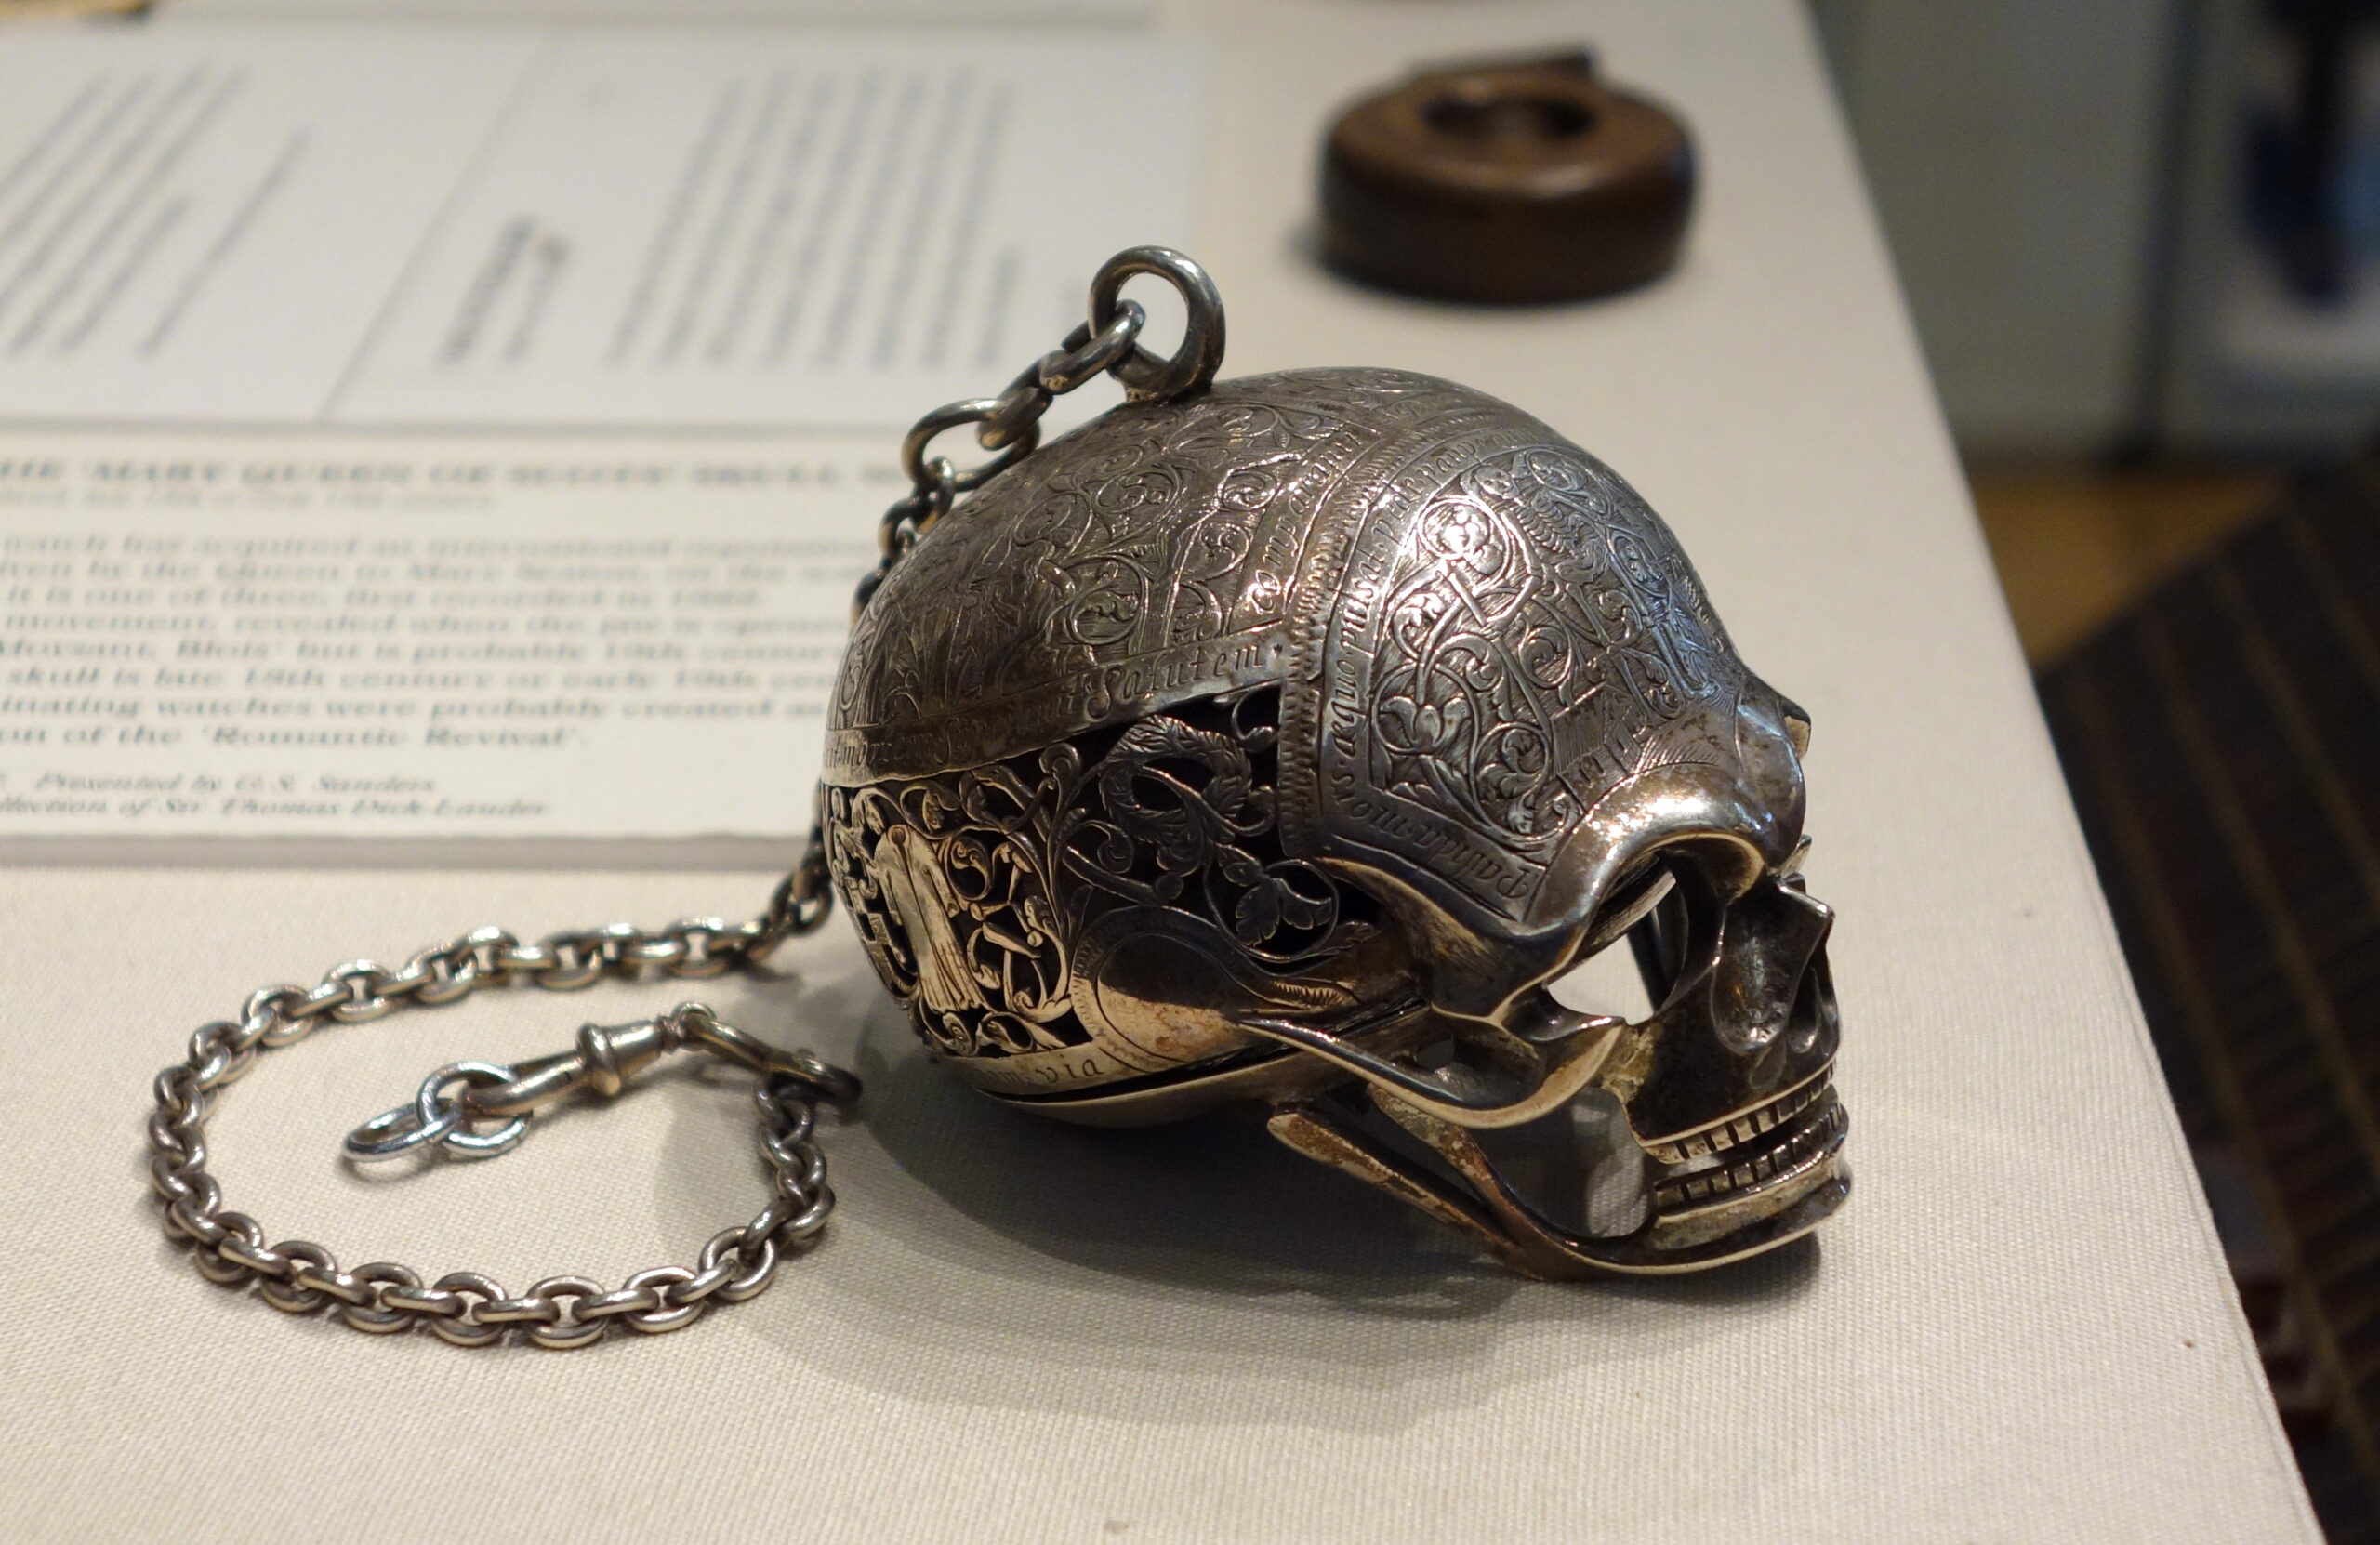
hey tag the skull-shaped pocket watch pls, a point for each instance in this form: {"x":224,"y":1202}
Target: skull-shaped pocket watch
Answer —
{"x":1268,"y":745}
{"x":1270,"y":737}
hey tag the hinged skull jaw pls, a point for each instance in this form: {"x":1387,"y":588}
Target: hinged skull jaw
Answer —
{"x":1731,"y":1112}
{"x":1723,"y":1090}
{"x":1470,"y":1193}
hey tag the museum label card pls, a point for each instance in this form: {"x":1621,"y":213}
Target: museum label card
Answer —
{"x":385,"y":636}
{"x":702,"y":226}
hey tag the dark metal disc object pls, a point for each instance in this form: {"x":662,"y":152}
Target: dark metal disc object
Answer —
{"x":1508,"y":182}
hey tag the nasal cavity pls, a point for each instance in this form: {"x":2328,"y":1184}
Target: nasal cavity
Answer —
{"x":1767,"y":943}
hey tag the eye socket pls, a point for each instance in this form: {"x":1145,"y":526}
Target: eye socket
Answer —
{"x":1667,"y":903}
{"x":1637,"y":891}
{"x":1677,"y":922}
{"x":1598,"y":982}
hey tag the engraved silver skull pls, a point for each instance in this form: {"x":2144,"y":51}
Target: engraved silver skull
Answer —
{"x":1274,"y":744}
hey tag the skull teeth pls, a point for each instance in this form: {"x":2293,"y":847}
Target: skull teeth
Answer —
{"x":1804,"y":1144}
{"x":1743,"y":1128}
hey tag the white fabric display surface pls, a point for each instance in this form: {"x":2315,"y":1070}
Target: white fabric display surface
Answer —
{"x":2019,"y":1329}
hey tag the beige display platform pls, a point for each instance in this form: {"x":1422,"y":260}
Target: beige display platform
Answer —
{"x":2019,"y":1330}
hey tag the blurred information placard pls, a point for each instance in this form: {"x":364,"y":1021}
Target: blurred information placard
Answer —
{"x":868,"y":12}
{"x":462,"y":225}
{"x":388,"y":636}
{"x":266,"y":288}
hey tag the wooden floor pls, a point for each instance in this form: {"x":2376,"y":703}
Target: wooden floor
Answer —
{"x":2219,"y":742}
{"x":2075,"y":546}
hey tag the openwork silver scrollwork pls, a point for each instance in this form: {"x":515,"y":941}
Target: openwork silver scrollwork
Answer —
{"x":998,"y":902}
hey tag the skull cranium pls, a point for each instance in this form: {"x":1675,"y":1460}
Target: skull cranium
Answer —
{"x":1286,"y":742}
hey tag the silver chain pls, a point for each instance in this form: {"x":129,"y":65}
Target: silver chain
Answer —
{"x":1106,"y":342}
{"x":465,"y":1307}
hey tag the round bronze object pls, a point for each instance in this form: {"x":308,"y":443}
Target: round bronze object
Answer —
{"x":1508,"y":183}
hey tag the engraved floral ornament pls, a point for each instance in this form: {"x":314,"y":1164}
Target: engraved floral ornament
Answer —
{"x":1277,"y":743}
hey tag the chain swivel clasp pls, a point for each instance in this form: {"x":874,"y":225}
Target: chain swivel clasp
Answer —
{"x":460,"y":1094}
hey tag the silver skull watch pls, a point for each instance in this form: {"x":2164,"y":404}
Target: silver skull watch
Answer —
{"x":1268,"y":745}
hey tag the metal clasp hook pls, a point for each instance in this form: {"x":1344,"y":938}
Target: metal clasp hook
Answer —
{"x":460,"y":1094}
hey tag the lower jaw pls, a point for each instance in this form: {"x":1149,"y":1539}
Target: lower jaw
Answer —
{"x":1748,"y":1221}
{"x":1758,"y":1220}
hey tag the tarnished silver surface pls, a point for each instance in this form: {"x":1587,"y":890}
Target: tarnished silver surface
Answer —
{"x":1266,"y":739}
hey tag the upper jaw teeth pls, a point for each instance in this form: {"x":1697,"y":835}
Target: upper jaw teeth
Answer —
{"x":1811,"y":1128}
{"x":1705,"y":1143}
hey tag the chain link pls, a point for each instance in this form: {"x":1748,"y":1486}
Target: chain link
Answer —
{"x":466,"y":1308}
{"x":1010,"y":425}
